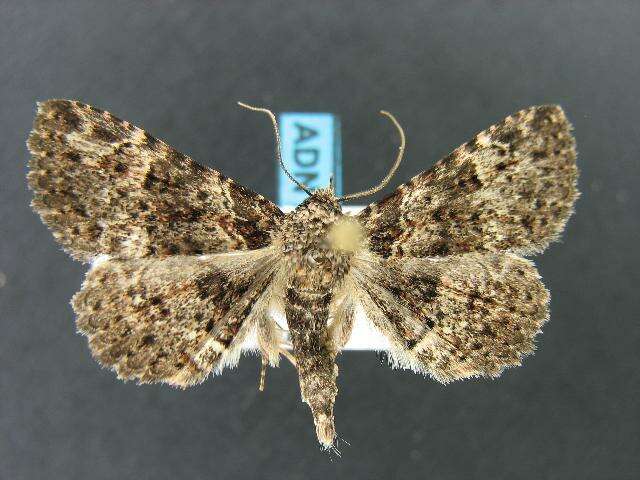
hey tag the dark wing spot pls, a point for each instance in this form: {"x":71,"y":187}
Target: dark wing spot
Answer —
{"x":102,"y":134}
{"x":527,"y":223}
{"x":197,"y":168}
{"x":150,"y":141}
{"x":66,"y":115}
{"x":539,"y":155}
{"x":411,"y":343}
{"x":150,"y":179}
{"x":388,"y":225}
{"x":73,"y":156}
{"x":440,"y":248}
{"x":542,"y":117}
{"x":506,"y":137}
{"x":211,"y":284}
{"x":89,"y":108}
{"x":449,"y":158}
{"x":176,"y":158}
{"x":195,"y":214}
{"x":472,"y":145}
{"x":427,"y":286}
{"x":202,"y":195}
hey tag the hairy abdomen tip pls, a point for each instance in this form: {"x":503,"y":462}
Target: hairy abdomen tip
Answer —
{"x":325,"y":430}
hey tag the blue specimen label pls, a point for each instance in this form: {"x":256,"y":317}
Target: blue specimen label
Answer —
{"x":311,"y":151}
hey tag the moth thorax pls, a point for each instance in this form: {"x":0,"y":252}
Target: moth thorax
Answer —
{"x":346,"y":235}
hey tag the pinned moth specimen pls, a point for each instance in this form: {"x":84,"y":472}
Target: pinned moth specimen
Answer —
{"x":186,"y":263}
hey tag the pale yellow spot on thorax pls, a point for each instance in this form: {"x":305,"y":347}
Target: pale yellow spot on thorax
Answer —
{"x":346,"y":235}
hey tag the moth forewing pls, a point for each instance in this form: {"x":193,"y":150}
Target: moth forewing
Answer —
{"x":510,"y":188}
{"x":105,"y":186}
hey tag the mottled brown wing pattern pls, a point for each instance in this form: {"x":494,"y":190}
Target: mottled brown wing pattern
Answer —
{"x":454,"y":317}
{"x":174,"y":319}
{"x":104,"y":186}
{"x":194,"y":263}
{"x":510,"y":188}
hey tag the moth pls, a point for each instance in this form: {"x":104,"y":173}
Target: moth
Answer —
{"x":186,"y":263}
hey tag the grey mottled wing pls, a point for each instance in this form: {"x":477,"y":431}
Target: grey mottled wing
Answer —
{"x":510,"y":188}
{"x":453,"y":317}
{"x":173,"y":319}
{"x":104,"y":186}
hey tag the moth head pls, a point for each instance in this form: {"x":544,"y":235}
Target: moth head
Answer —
{"x":322,"y":199}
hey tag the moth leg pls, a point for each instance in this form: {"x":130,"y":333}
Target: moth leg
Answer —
{"x":289,"y":356}
{"x":263,"y":372}
{"x":342,"y":314}
{"x":264,"y":363}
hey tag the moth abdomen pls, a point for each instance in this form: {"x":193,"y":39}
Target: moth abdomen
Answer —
{"x":309,"y":294}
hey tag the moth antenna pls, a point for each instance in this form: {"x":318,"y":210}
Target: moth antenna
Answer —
{"x":276,"y":132}
{"x":395,"y":166}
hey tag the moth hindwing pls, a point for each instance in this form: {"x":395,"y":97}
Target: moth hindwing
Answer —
{"x":186,"y":263}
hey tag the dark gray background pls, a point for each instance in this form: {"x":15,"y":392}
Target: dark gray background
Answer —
{"x":447,"y":70}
